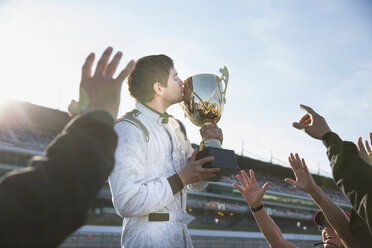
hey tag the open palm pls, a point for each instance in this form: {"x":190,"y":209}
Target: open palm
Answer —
{"x":249,"y":189}
{"x":304,"y":180}
{"x":101,"y":91}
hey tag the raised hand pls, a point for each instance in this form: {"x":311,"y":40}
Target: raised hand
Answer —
{"x":101,"y":91}
{"x":304,"y":180}
{"x":365,"y":152}
{"x":312,"y":123}
{"x":249,"y":189}
{"x":194,"y":171}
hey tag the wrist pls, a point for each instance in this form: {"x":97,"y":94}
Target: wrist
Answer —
{"x":100,"y":107}
{"x":324,"y":133}
{"x":255,"y":205}
{"x":327,"y":135}
{"x":182,"y":177}
{"x":258,"y":208}
{"x":313,"y":189}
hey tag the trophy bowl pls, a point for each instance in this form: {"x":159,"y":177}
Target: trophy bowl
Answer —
{"x":203,"y":101}
{"x":204,"y":105}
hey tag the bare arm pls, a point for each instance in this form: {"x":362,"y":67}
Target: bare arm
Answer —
{"x":61,"y":185}
{"x":253,"y":196}
{"x":334,"y":215}
{"x":270,"y":230}
{"x":350,"y":170}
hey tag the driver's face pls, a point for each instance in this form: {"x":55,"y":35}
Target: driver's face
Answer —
{"x":330,"y":236}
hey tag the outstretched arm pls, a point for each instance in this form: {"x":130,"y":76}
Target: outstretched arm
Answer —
{"x":351,"y":173}
{"x":334,"y":215}
{"x":42,"y":204}
{"x":253,"y":196}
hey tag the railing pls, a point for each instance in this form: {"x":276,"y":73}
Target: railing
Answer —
{"x":110,"y":237}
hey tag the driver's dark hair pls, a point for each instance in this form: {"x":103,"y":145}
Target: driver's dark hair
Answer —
{"x":149,"y":70}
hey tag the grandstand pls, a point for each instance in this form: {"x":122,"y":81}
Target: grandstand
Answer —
{"x":223,"y":219}
{"x":25,"y":130}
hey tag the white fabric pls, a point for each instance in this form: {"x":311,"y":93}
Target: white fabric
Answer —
{"x":139,"y":184}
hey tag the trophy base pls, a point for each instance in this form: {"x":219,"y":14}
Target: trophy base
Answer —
{"x":223,"y":159}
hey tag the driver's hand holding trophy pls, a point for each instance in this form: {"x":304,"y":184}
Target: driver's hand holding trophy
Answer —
{"x":203,"y":101}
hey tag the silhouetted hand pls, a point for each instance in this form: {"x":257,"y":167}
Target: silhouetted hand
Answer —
{"x":304,"y":180}
{"x":101,"y":91}
{"x":194,"y":171}
{"x":312,"y":123}
{"x":251,"y":193}
{"x":365,"y":152}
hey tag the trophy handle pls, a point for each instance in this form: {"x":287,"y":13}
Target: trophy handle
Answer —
{"x":225,"y":78}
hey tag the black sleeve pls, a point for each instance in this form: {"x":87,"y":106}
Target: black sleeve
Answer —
{"x":351,"y":174}
{"x":176,"y":183}
{"x":45,"y":202}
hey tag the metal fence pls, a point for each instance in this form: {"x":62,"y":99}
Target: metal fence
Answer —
{"x":110,"y":237}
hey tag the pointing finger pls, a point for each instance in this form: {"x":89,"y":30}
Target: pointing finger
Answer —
{"x":307,"y":109}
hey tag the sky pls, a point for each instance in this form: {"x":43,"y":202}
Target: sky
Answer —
{"x":279,"y":54}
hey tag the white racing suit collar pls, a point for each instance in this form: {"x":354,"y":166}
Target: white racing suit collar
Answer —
{"x":160,"y":118}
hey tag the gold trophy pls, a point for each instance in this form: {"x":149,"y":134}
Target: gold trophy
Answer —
{"x":203,"y":101}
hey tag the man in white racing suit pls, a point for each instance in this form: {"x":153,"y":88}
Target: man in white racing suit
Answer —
{"x":155,"y":161}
